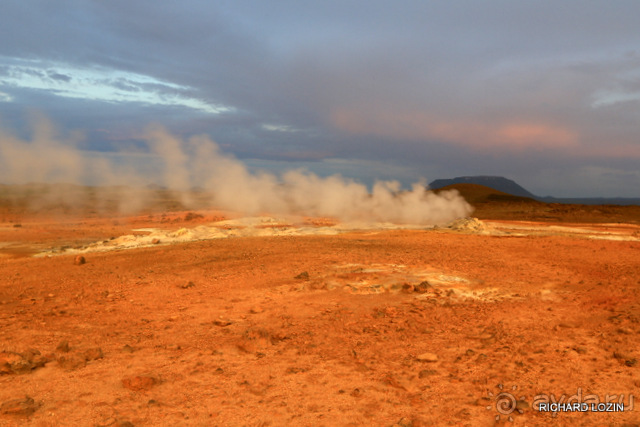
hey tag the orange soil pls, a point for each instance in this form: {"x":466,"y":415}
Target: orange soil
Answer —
{"x":221,"y":332}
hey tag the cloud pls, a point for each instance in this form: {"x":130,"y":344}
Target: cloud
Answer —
{"x":519,"y":134}
{"x":5,"y":97}
{"x":481,"y":88}
{"x":102,"y":84}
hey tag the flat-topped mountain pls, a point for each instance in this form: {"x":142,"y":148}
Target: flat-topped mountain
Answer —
{"x":505,"y":185}
{"x":499,"y":183}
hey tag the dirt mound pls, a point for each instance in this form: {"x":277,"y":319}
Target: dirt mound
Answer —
{"x":473,"y":225}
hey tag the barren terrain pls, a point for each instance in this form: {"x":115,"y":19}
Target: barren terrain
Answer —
{"x":205,"y":318}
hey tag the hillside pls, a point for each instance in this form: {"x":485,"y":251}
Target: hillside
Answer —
{"x":475,"y":193}
{"x":508,"y":186}
{"x":499,"y":183}
{"x":498,"y":205}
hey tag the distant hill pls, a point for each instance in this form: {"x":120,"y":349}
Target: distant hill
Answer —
{"x":621,"y":201}
{"x":499,"y":183}
{"x":474,"y":193}
{"x":510,"y":187}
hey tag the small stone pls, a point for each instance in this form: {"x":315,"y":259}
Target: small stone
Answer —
{"x":191,"y":216}
{"x":625,"y":331}
{"x":407,"y":288}
{"x":139,"y":383}
{"x":427,"y":373}
{"x":93,"y":354}
{"x":356,"y":392}
{"x":481,"y":358}
{"x":71,"y":362}
{"x":427,"y":357}
{"x":222,"y":322}
{"x":302,"y":276}
{"x":79,"y":260}
{"x":581,"y":350}
{"x":155,"y":241}
{"x":63,"y":346}
{"x":621,"y":355}
{"x":128,"y":349}
{"x":423,"y":287}
{"x":17,"y":225}
{"x":404,"y":422}
{"x":187,"y":285}
{"x":19,"y":407}
{"x":256,"y":310}
{"x":22,"y":366}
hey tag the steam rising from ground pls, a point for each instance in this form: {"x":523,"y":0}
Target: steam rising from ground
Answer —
{"x":226,"y":182}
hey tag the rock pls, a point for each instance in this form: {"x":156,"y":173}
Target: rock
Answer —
{"x":128,"y":349}
{"x":318,"y":285}
{"x":79,"y":260}
{"x":427,"y":357}
{"x":622,"y":355}
{"x":17,"y":225}
{"x":423,"y":287}
{"x":222,"y":322}
{"x":302,"y":276}
{"x":21,"y":363}
{"x":427,"y":373}
{"x":187,"y":285}
{"x":63,"y":346}
{"x":93,"y":354}
{"x":403,"y":422}
{"x":256,"y":310}
{"x":356,"y":392}
{"x":7,"y":359}
{"x":155,"y":241}
{"x":139,"y":383}
{"x":191,"y":216}
{"x":19,"y":407}
{"x":71,"y":362}
{"x":407,"y":288}
{"x":581,"y":350}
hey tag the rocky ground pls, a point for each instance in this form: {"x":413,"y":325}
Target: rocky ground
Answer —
{"x":471,"y":325}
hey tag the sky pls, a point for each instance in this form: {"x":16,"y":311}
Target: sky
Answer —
{"x":546,"y":93}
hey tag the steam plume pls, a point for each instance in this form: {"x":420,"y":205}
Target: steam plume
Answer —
{"x":198,"y":162}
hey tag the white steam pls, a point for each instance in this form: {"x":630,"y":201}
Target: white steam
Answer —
{"x":228,"y":184}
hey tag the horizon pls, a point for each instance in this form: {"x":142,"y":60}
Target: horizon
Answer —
{"x":153,"y":186}
{"x":543,"y":93}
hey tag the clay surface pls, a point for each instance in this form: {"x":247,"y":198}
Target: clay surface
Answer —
{"x":306,"y":321}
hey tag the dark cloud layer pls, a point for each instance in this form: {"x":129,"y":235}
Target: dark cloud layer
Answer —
{"x":545,"y":92}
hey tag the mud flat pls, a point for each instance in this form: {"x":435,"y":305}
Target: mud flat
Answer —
{"x":314,"y":323}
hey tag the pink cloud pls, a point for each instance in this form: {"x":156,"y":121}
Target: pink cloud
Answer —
{"x":514,"y":134}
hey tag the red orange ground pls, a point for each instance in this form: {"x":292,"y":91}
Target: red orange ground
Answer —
{"x":231,"y":332}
